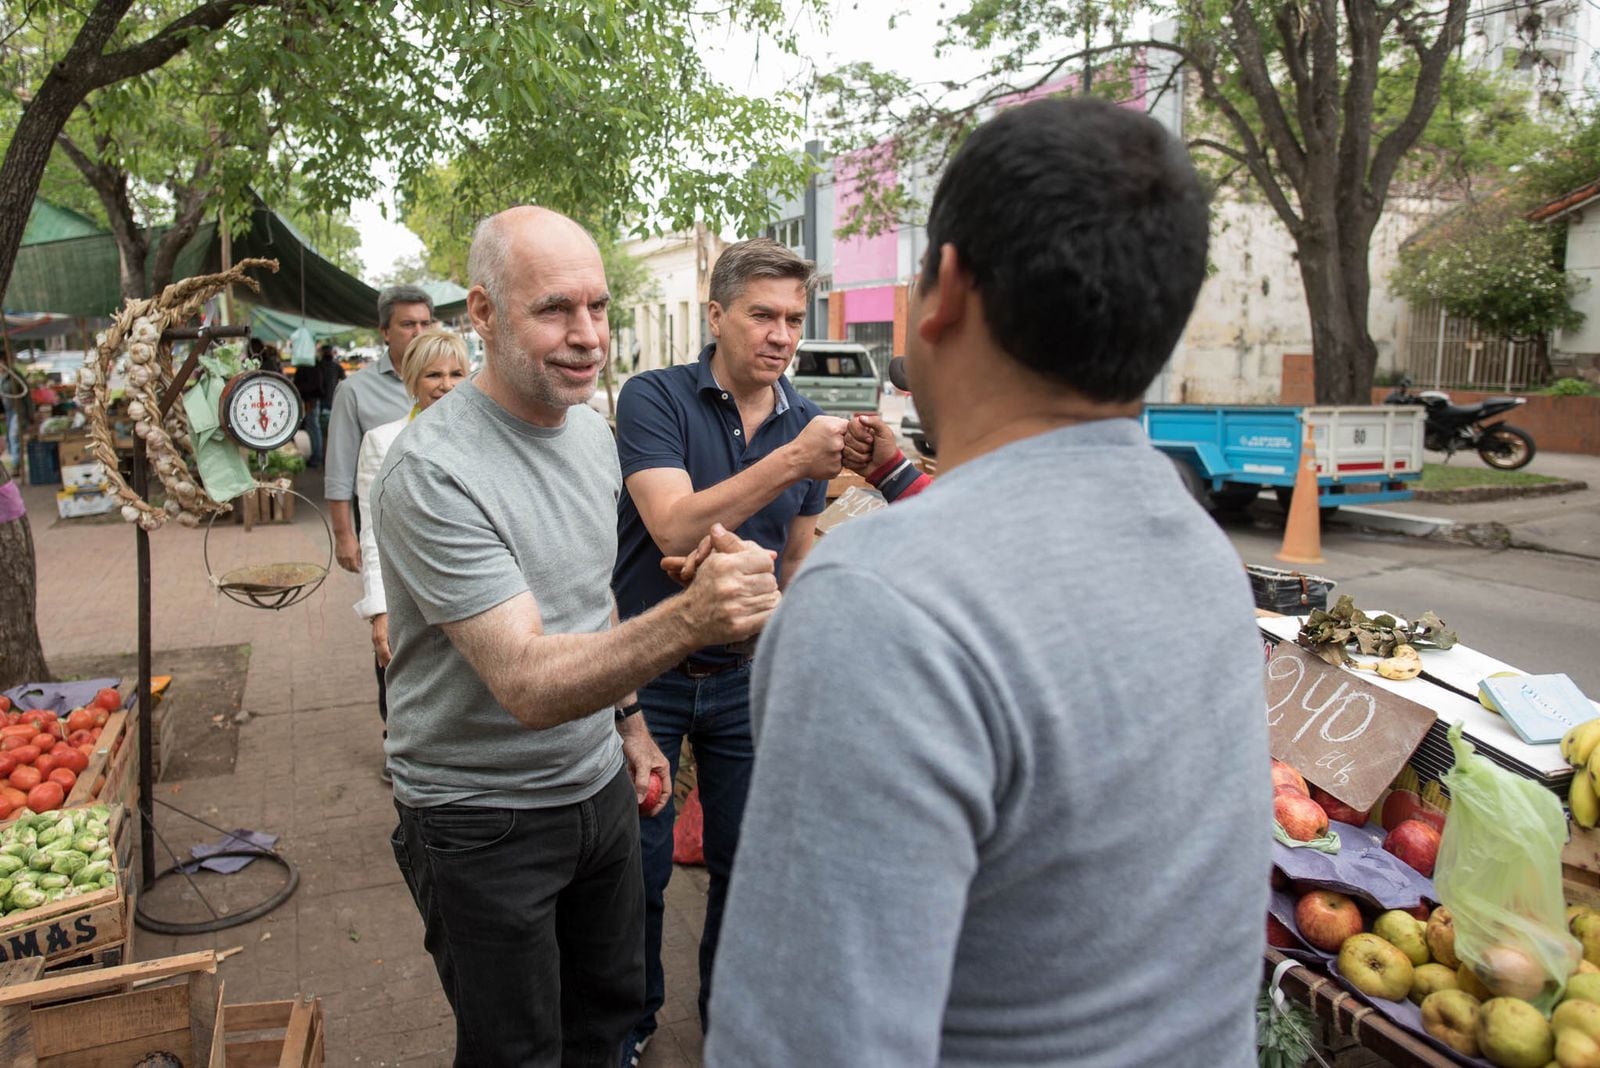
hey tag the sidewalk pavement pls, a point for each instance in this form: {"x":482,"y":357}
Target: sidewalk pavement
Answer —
{"x":1561,"y":523}
{"x":307,"y":769}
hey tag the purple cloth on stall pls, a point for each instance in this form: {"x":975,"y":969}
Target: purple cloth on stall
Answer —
{"x":238,"y":839}
{"x":11,"y":506}
{"x":58,"y":697}
{"x":1361,"y":869}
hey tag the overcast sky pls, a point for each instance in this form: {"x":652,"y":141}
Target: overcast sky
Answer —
{"x":857,"y":31}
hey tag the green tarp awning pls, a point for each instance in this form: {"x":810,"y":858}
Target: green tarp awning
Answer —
{"x":275,"y":326}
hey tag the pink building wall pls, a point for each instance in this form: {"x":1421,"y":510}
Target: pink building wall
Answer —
{"x":863,"y":259}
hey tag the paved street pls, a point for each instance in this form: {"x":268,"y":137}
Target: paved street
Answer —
{"x":308,"y":753}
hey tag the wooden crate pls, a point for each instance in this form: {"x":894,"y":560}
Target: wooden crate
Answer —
{"x":270,"y":1034}
{"x":264,"y":506}
{"x":111,"y":1017}
{"x":112,"y":776}
{"x":91,"y":928}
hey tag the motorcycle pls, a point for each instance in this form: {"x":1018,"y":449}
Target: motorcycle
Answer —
{"x":1451,"y":428}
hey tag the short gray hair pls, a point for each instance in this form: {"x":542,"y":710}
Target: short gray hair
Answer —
{"x":760,"y":257}
{"x":393,"y":295}
{"x":486,"y":259}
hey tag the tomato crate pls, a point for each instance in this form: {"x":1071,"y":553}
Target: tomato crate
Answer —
{"x":268,"y":1034}
{"x":114,"y":1016}
{"x":94,"y":928}
{"x":112,"y":776}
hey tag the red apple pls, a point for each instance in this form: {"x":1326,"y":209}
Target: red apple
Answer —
{"x":1326,"y":918}
{"x":1402,"y":805}
{"x":1421,"y":912}
{"x":1416,"y":843}
{"x":1278,"y":935}
{"x":1284,"y":775}
{"x":1338,"y":810}
{"x":1302,"y":818}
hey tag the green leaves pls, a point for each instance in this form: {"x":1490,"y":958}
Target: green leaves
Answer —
{"x":1328,"y":633}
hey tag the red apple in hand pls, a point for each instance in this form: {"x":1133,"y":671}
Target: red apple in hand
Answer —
{"x":1302,"y":818}
{"x":1416,"y":843}
{"x":1284,"y":775}
{"x":652,"y":796}
{"x":1326,"y":918}
{"x":1338,"y":810}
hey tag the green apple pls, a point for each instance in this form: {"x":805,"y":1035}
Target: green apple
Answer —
{"x":1514,"y":1034}
{"x":1428,"y":978}
{"x":1451,"y":1016}
{"x":1404,"y":932}
{"x":1375,"y":967}
{"x":1441,"y":937}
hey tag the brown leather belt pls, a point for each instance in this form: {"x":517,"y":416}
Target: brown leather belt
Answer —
{"x":696,"y":668}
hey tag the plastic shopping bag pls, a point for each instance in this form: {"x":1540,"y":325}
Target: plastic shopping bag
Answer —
{"x":688,"y":832}
{"x":1499,"y":873}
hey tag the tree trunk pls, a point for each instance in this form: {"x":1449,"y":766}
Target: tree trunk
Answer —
{"x":21,"y":656}
{"x":1338,"y":288}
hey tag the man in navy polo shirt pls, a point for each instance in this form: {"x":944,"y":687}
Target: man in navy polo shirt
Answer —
{"x":724,"y":440}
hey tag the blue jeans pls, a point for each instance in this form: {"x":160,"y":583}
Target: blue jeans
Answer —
{"x":714,"y":714}
{"x":314,"y":429}
{"x":533,"y":920}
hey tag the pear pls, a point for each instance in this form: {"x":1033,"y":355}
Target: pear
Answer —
{"x":1468,"y":980}
{"x":1428,"y":978}
{"x":1375,"y":967}
{"x":1577,"y":1015}
{"x":1514,"y":1034}
{"x":1451,"y":1016}
{"x":1441,"y":937}
{"x":1586,"y":929}
{"x":1586,"y":968}
{"x":1585,"y":986}
{"x":1404,"y":932}
{"x":1574,"y":1049}
{"x":1510,"y":971}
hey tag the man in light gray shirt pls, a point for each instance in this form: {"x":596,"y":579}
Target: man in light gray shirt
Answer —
{"x":518,"y":787}
{"x":1012,"y":805}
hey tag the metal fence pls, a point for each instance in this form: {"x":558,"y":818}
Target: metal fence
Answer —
{"x":1445,"y":352}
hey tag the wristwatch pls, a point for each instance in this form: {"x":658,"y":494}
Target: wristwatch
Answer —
{"x":624,"y":711}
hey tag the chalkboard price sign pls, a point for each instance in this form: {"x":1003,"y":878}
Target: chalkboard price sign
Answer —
{"x":1349,"y":737}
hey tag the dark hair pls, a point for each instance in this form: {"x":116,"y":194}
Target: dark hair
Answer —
{"x":760,"y":257}
{"x":1084,"y":226}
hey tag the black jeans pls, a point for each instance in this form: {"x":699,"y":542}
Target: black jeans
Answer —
{"x":535,"y":920}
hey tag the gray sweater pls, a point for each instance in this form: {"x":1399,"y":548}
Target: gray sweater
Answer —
{"x":1011,"y":801}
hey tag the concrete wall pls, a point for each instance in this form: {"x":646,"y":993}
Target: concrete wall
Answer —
{"x":668,"y":327}
{"x":1252,"y":311}
{"x":1582,"y":346}
{"x":1558,"y":424}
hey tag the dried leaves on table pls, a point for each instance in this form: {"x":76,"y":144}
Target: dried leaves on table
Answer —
{"x":1329,"y":633}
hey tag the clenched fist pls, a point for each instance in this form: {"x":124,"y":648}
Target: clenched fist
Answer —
{"x":819,"y":450}
{"x":733,"y":591}
{"x":868,"y":443}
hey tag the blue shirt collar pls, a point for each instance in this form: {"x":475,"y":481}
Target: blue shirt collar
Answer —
{"x":706,"y":381}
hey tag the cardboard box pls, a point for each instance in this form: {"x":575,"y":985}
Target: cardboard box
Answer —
{"x":75,"y":501}
{"x":87,"y":476}
{"x":76,"y":449}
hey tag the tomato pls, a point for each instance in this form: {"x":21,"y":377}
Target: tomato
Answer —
{"x":64,"y":778}
{"x":79,"y":738}
{"x":108,"y":699}
{"x":7,"y":765}
{"x":87,"y":750}
{"x":5,"y":704}
{"x":45,"y":763}
{"x":94,"y":732}
{"x":13,"y":795}
{"x":5,"y":808}
{"x":45,"y":741}
{"x":26,"y":778}
{"x":12,"y":717}
{"x":79,"y":719}
{"x":25,"y":754}
{"x":67,"y":757}
{"x":20,"y":730}
{"x":38,"y":717}
{"x":101,"y":717}
{"x":14,"y":741}
{"x":46,"y":797}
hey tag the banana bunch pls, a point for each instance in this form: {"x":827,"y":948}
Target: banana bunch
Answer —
{"x":1581,"y":748}
{"x":1404,"y":664}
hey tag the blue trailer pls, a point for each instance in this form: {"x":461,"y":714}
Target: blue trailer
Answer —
{"x":1227,"y":454}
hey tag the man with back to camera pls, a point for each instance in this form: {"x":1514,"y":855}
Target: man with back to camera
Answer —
{"x":517,"y":787}
{"x":942,"y":861}
{"x":725,"y":440}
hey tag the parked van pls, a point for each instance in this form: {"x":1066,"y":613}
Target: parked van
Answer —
{"x":837,"y":376}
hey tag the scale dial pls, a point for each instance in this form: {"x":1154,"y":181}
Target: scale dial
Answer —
{"x":261,"y":410}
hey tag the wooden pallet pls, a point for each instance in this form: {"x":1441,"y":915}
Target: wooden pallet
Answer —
{"x":273,"y":1034}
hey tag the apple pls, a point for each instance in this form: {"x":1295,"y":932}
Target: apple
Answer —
{"x":1302,"y":818}
{"x":1514,"y":1034}
{"x":1441,"y":936}
{"x":1404,"y":932}
{"x":1280,"y":937}
{"x":1416,"y":843}
{"x":1285,"y":775}
{"x":1451,"y":1016}
{"x":1375,"y":968}
{"x":1430,"y":978}
{"x":1326,"y":918}
{"x":1338,"y":810}
{"x":1402,"y":805}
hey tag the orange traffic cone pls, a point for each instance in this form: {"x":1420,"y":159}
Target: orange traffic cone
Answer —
{"x":1302,"y":535}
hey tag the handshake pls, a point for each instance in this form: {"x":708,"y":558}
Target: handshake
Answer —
{"x":863,"y":443}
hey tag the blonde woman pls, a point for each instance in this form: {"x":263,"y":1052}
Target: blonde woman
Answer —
{"x":434,"y":363}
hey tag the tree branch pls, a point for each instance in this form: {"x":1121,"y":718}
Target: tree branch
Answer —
{"x":1424,"y":98}
{"x":1247,"y":49}
{"x":173,"y":38}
